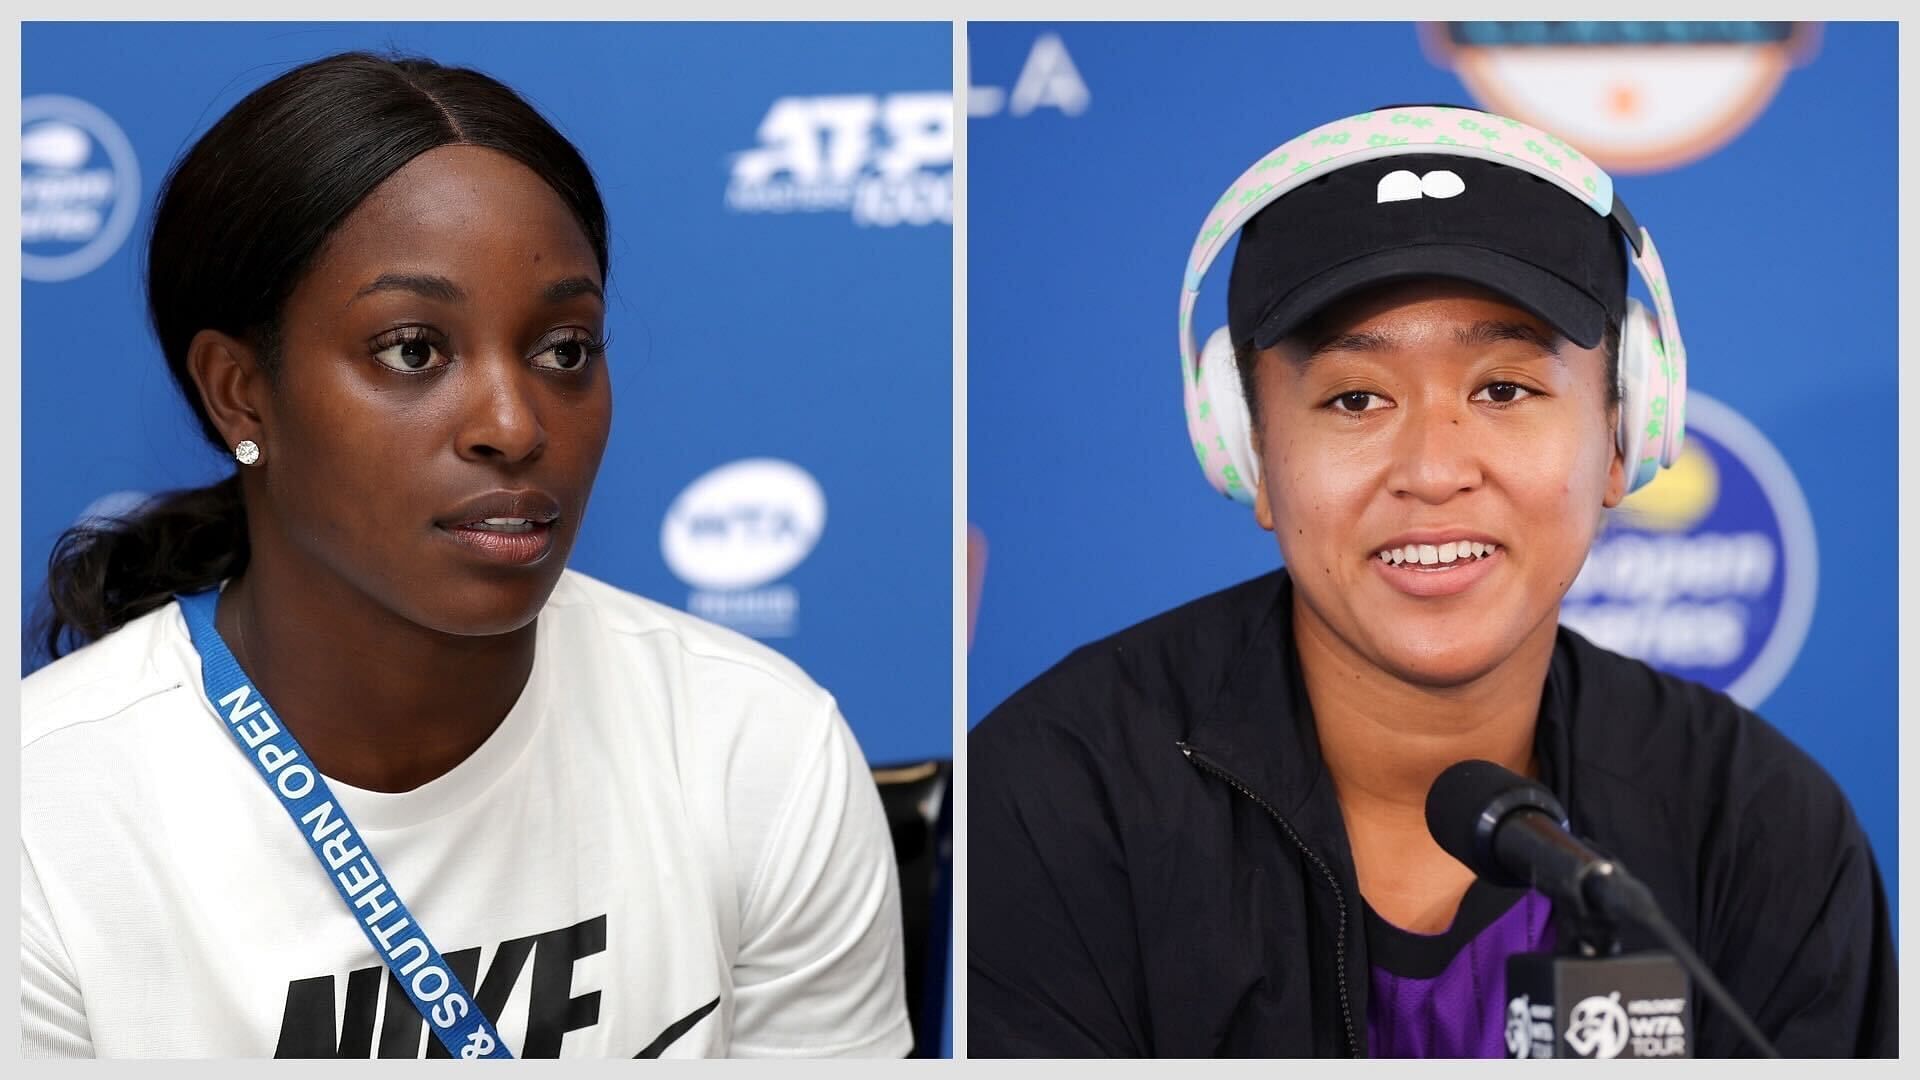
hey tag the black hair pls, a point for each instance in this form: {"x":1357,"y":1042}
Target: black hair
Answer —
{"x":1246,"y":357}
{"x":239,"y":220}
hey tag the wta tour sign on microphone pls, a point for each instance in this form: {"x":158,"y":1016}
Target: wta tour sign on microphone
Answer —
{"x":1632,"y":1006}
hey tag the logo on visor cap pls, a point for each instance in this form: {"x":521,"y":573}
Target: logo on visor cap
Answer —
{"x":1401,"y":185}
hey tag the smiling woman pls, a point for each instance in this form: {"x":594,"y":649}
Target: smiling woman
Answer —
{"x":380,"y":285}
{"x":1212,"y":833}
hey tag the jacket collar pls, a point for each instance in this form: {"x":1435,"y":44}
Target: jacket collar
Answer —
{"x":1553,"y":731}
{"x":1259,"y":724}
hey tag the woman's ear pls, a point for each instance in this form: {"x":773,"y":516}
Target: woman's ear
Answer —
{"x":1262,"y":507}
{"x":1616,"y":466}
{"x":232,"y":384}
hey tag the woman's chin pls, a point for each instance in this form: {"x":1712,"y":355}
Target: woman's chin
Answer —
{"x":1438,"y":664}
{"x":1446,"y":648}
{"x":484,"y":612}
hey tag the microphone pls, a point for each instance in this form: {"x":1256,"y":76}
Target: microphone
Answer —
{"x":1511,"y":831}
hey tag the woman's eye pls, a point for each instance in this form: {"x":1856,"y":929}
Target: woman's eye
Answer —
{"x":1502,"y":393}
{"x":413,"y":354}
{"x":1354,"y":401}
{"x":570,"y":355}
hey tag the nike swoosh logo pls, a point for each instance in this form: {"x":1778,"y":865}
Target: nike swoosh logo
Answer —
{"x":678,"y":1028}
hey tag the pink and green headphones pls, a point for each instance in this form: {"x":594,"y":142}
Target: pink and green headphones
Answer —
{"x":1653,"y":362}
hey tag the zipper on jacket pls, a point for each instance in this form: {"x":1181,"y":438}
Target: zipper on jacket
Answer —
{"x":1201,"y":762}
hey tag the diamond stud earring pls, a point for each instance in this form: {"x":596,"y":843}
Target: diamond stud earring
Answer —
{"x":246,"y":452}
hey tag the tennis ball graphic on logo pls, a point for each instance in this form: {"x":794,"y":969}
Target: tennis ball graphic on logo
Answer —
{"x":1677,"y":498}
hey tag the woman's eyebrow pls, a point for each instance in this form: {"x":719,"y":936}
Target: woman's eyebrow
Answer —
{"x":431,"y":286}
{"x":1484,"y":332}
{"x":1489,"y":331}
{"x":1355,"y":341}
{"x":435,"y":287}
{"x":570,"y":288}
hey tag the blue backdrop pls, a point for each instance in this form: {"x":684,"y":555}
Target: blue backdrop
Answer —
{"x":782,"y":252}
{"x":1759,"y":567}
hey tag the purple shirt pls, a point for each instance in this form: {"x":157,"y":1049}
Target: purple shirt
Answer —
{"x":1444,"y":995}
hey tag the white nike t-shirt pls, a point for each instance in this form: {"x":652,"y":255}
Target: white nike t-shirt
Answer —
{"x":671,"y":846}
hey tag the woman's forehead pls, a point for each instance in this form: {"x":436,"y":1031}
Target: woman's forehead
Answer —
{"x":457,"y":212}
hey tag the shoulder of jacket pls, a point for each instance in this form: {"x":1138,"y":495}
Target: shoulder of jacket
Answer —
{"x":1154,"y":675}
{"x":1626,"y":701}
{"x":1673,"y":738}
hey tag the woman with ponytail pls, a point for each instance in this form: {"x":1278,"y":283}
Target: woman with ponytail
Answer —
{"x":338,"y":758}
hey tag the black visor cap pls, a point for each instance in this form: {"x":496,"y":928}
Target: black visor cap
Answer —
{"x":1443,"y":216}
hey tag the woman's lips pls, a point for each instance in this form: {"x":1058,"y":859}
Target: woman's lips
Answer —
{"x":514,"y":544}
{"x":1438,"y":579}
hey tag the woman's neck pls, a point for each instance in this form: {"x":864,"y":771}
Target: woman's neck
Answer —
{"x":1384,"y":740}
{"x":376,"y":701}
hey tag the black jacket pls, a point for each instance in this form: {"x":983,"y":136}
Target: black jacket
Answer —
{"x":1157,"y":864}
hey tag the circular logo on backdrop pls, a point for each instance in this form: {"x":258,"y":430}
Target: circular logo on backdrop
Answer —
{"x":743,"y":524}
{"x":1635,"y":96}
{"x":1711,"y":570}
{"x":79,"y":187}
{"x":738,"y":529}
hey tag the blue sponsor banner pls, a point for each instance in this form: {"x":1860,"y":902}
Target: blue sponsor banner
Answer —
{"x":1758,"y":566}
{"x":780,"y":309}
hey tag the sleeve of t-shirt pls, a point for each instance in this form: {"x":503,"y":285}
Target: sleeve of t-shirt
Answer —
{"x":820,"y":969}
{"x":53,"y":1019}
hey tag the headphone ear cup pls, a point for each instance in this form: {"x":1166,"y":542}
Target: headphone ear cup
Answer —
{"x":1645,"y":399}
{"x":1218,"y":421}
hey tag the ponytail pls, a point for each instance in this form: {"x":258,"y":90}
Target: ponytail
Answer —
{"x":104,"y":574}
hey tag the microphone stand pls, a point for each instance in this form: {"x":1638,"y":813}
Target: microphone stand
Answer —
{"x":1618,"y":891}
{"x":1607,"y":895}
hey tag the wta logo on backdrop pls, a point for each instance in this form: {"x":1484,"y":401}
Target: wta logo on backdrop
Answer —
{"x":1710,"y":571}
{"x":884,"y":160}
{"x":79,"y":188}
{"x":1635,"y":96}
{"x":734,"y":532}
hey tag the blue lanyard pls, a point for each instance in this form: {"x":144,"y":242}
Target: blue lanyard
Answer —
{"x":430,"y":983}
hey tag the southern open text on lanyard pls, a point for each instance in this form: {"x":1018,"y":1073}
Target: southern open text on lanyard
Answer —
{"x":399,"y":939}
